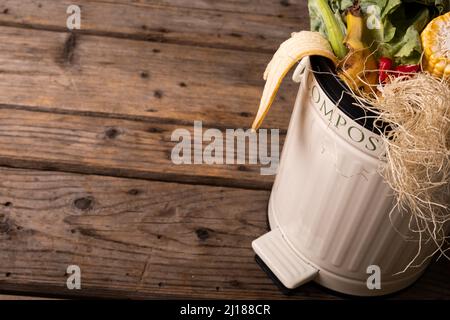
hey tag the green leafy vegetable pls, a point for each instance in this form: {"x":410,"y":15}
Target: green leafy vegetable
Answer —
{"x":393,"y":26}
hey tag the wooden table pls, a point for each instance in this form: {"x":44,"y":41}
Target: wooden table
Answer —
{"x":85,"y":142}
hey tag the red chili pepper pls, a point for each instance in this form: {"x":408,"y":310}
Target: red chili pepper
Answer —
{"x":408,"y":68}
{"x":384,"y":65}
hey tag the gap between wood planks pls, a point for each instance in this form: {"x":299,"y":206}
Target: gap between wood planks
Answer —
{"x":145,"y":119}
{"x":130,"y":36}
{"x":113,"y":147}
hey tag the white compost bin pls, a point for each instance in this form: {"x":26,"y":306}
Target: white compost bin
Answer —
{"x":329,"y":207}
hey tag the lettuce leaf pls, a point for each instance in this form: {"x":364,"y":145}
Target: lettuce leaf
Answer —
{"x":404,"y":46}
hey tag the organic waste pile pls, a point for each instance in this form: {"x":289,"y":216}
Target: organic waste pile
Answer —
{"x":394,"y":57}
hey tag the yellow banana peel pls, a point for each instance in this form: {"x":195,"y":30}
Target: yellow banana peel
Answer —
{"x":300,"y":45}
{"x":358,"y":69}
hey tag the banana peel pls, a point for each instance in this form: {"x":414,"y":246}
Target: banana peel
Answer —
{"x":358,"y":69}
{"x":300,"y":45}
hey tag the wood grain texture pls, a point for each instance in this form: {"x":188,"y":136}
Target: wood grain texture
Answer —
{"x":6,"y":297}
{"x":142,"y":239}
{"x":130,"y":238}
{"x":134,"y":79}
{"x":284,"y":8}
{"x":115,"y":147}
{"x":182,"y":23}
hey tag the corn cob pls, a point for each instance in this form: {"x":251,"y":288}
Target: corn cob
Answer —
{"x":436,"y":46}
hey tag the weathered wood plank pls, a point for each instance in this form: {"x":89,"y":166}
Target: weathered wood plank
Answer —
{"x":130,"y":238}
{"x":142,"y":239}
{"x":151,"y":21}
{"x":285,"y":8}
{"x":135,"y":79}
{"x":14,"y":297}
{"x":115,"y":147}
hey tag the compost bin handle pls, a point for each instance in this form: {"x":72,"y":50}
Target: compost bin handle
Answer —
{"x":300,"y":70}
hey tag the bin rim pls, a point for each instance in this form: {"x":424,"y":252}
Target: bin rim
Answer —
{"x":337,"y":91}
